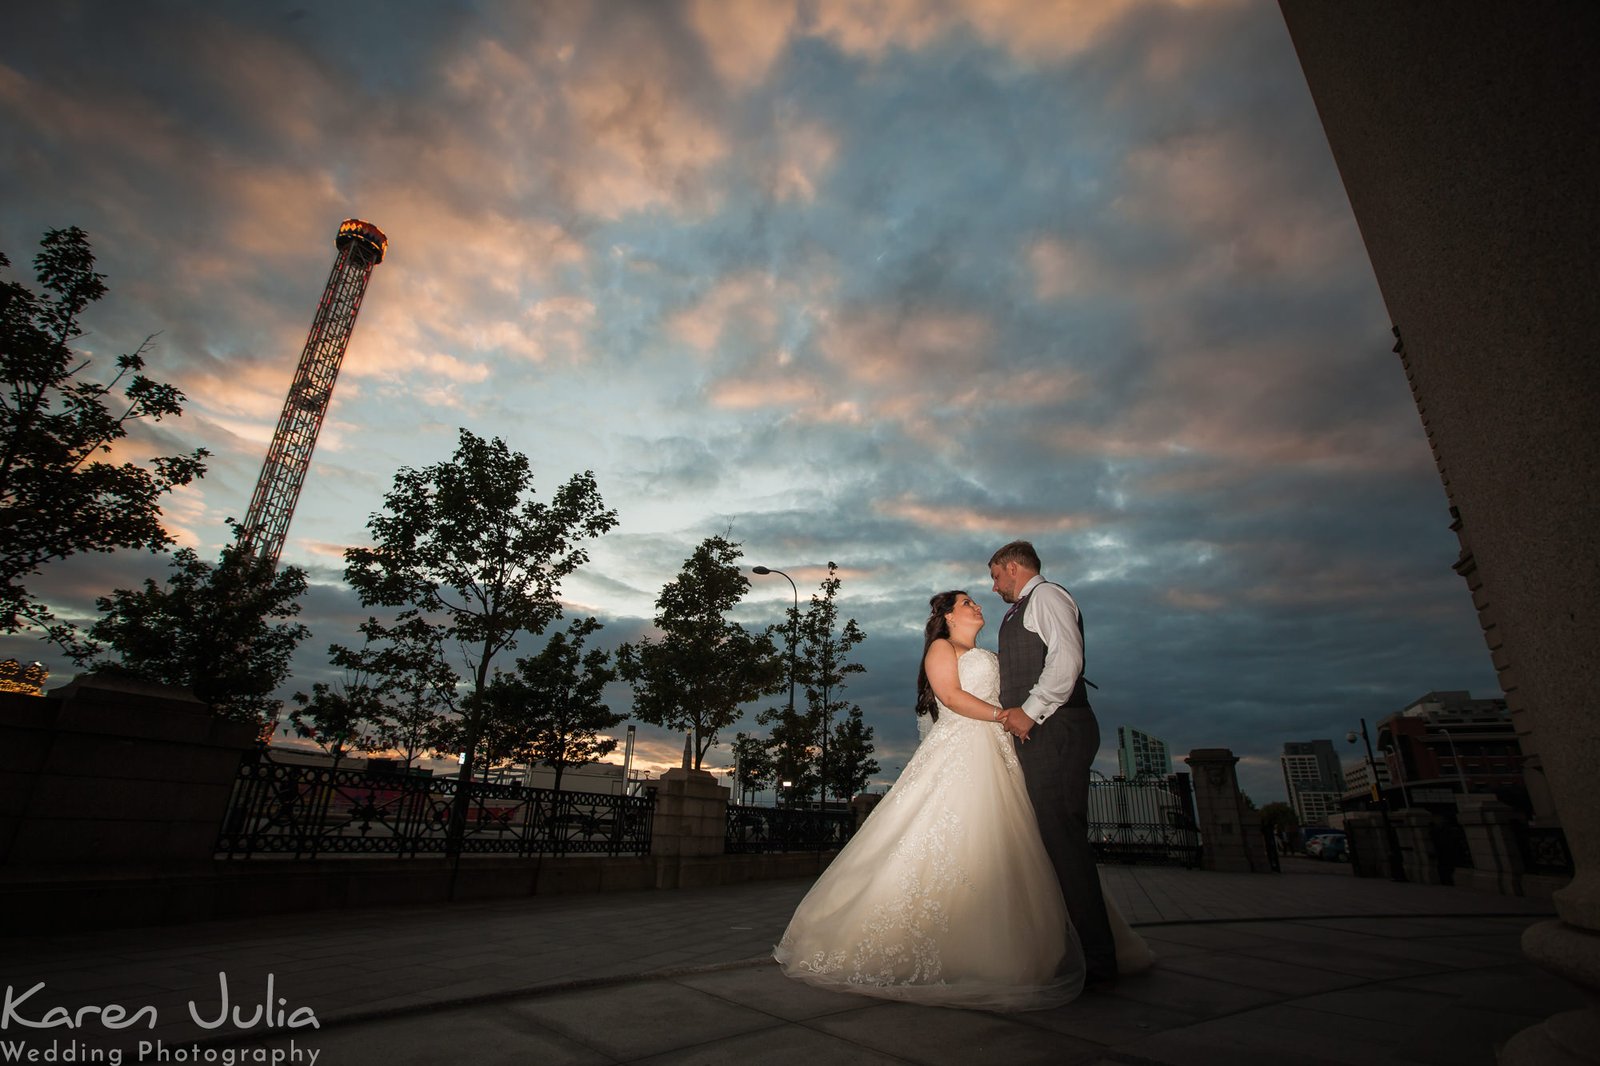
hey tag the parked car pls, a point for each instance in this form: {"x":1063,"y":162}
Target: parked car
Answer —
{"x":1315,"y":840}
{"x":1335,"y":849}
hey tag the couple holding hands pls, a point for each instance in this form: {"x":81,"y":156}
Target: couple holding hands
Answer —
{"x":973,"y":884}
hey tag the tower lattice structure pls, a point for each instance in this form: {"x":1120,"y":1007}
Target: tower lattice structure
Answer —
{"x":361,"y":247}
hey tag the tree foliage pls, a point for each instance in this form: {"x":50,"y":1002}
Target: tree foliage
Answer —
{"x":753,"y":764}
{"x":221,"y":631}
{"x":412,"y":687}
{"x":850,"y":761}
{"x":1279,"y":815}
{"x":471,"y":558}
{"x":705,"y":666}
{"x":59,"y":495}
{"x":339,"y":719}
{"x":792,"y":741}
{"x":552,"y":708}
{"x":825,"y":666}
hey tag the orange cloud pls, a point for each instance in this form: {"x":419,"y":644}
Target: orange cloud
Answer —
{"x":1062,"y":269}
{"x":1027,"y":29}
{"x":748,"y":302}
{"x":1248,"y":219}
{"x":743,"y":39}
{"x":943,"y":516}
{"x":884,"y":347}
{"x":642,"y":146}
{"x":805,"y":151}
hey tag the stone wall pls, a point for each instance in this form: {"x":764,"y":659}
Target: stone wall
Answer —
{"x":111,"y":773}
{"x":112,"y":792}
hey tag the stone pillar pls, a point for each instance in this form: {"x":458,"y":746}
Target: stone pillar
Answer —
{"x":1491,"y":831}
{"x":1413,"y":827}
{"x":1368,"y":842}
{"x":1230,"y":832}
{"x":1473,"y":185}
{"x":690,"y":827}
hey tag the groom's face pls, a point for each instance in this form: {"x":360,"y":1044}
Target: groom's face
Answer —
{"x":1007,"y":580}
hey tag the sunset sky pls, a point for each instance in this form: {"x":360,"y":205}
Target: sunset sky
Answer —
{"x":884,"y":283}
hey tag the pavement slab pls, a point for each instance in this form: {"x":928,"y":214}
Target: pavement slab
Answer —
{"x":1312,"y":965}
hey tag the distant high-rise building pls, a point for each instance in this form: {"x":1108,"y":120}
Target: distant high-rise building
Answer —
{"x":1313,"y":779}
{"x":1315,"y":806}
{"x":1358,"y":778}
{"x":1141,"y":755}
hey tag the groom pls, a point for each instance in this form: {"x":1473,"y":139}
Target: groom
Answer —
{"x":1047,"y":709}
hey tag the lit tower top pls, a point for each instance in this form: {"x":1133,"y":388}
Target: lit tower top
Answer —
{"x":361,"y":246}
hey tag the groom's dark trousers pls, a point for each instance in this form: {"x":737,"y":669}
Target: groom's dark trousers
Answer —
{"x":1055,"y":765}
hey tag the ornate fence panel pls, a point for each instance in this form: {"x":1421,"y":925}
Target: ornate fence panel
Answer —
{"x":1145,"y":820}
{"x":766,"y":829}
{"x":305,"y":812}
{"x":1544,"y":850}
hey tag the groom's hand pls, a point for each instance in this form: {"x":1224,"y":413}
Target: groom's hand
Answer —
{"x":1017,"y":722}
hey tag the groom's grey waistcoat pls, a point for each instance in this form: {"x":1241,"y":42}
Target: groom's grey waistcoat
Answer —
{"x":1022,"y":654}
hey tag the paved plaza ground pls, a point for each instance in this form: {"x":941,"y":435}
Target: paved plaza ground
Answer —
{"x":1308,"y":966}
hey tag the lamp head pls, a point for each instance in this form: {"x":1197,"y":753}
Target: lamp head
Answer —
{"x":1350,"y":737}
{"x":759,"y":570}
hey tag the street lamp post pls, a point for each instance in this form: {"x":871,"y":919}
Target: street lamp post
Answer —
{"x":1461,"y":768}
{"x":1400,"y":770}
{"x":794,"y":621}
{"x":1397,"y":866}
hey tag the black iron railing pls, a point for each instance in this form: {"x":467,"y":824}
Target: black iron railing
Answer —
{"x":307,"y":812}
{"x":1144,"y":820}
{"x":1544,"y":850}
{"x":768,"y":829}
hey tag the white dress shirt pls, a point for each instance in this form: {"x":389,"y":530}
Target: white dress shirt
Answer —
{"x":1053,"y":615}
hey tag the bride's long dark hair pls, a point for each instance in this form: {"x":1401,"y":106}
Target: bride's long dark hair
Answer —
{"x":938,"y":627}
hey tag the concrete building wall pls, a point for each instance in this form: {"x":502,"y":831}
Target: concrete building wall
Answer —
{"x":1465,"y":137}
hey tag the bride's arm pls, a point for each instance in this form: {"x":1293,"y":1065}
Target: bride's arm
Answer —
{"x":945,"y":679}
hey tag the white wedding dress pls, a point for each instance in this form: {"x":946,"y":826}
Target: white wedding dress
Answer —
{"x":945,"y":896}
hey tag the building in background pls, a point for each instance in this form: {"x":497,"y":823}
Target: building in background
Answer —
{"x":1141,"y":755}
{"x":1358,"y":780}
{"x":1313,"y":779}
{"x":1447,"y":744}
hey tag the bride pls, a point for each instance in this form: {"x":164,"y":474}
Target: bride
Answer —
{"x":945,"y":896}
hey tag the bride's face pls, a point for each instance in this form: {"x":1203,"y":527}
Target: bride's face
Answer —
{"x":965,"y":614}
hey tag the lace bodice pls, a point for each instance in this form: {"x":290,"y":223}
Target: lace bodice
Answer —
{"x":979,"y":670}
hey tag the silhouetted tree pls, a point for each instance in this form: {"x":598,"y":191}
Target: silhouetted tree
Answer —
{"x":754,"y":764}
{"x":553,"y":708}
{"x":58,"y":497}
{"x":705,"y":666}
{"x":793,"y":749}
{"x":221,"y":631}
{"x":339,"y":718}
{"x":412,"y":684}
{"x":825,"y":664}
{"x":1279,"y":816}
{"x":850,"y":761}
{"x":461,"y":546}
